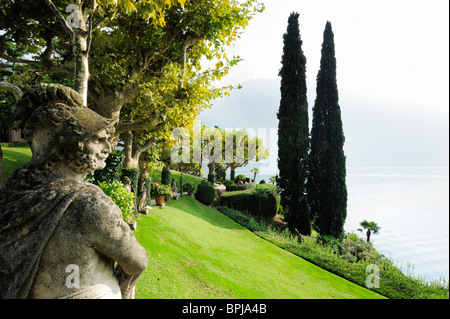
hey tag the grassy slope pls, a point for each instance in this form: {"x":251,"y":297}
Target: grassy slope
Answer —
{"x":14,"y":158}
{"x":196,"y":252}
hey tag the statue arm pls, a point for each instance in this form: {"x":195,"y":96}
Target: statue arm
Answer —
{"x":112,"y":237}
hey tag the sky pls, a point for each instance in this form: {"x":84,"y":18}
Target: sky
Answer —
{"x":390,"y":51}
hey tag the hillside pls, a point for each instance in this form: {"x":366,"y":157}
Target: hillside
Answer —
{"x":195,"y":252}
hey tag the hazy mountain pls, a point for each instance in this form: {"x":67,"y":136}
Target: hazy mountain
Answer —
{"x":376,"y":135}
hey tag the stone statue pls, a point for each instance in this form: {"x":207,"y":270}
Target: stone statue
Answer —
{"x":174,"y":189}
{"x":60,"y":236}
{"x":127,"y":183}
{"x":142,"y":198}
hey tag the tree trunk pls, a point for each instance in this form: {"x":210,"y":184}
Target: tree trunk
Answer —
{"x":81,"y":62}
{"x":211,"y":169}
{"x":232,"y":172}
{"x":368,"y":235}
{"x":1,"y":167}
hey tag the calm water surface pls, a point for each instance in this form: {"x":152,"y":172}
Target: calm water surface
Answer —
{"x":411,"y":205}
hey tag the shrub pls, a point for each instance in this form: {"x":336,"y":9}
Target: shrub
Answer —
{"x":261,"y":202}
{"x":158,"y":190}
{"x":228,"y":182}
{"x":121,"y":197}
{"x":243,"y":187}
{"x":212,"y":178}
{"x":112,"y":170}
{"x":189,"y":188}
{"x":240,"y":177}
{"x":148,"y":188}
{"x":133,"y":175}
{"x":262,"y":182}
{"x":205,"y":193}
{"x":166,"y":177}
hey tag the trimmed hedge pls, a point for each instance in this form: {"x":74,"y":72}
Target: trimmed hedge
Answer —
{"x":15,"y":144}
{"x":205,"y":193}
{"x":113,"y":169}
{"x":252,"y":201}
{"x":166,"y":177}
{"x":133,"y":174}
{"x":243,"y":187}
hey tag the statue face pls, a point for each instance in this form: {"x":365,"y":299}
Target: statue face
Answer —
{"x":91,"y":154}
{"x":97,"y":148}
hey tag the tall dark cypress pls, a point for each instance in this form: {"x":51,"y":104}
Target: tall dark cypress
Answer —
{"x":293,"y":131}
{"x":326,"y":186}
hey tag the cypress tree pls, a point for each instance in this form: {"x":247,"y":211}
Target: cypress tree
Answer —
{"x":326,"y":186}
{"x":293,"y":131}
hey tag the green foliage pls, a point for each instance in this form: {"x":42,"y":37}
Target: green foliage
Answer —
{"x":19,"y":144}
{"x":371,"y":227}
{"x":113,"y":169}
{"x":133,"y":175}
{"x":121,"y":197}
{"x":158,"y":190}
{"x":293,"y":130}
{"x":242,"y":187}
{"x":326,"y":187}
{"x":189,"y":188}
{"x":205,"y":193}
{"x":212,"y":178}
{"x":228,"y":182}
{"x":148,"y":188}
{"x":240,"y":177}
{"x":261,"y":202}
{"x":347,"y":257}
{"x":166,"y":177}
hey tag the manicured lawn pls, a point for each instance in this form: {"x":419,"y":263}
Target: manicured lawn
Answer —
{"x":197,"y":252}
{"x":14,"y":158}
{"x":156,"y":177}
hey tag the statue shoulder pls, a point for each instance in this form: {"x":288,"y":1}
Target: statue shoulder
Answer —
{"x":93,"y":201}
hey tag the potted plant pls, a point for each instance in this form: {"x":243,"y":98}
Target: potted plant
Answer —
{"x":159,"y":192}
{"x":190,"y":189}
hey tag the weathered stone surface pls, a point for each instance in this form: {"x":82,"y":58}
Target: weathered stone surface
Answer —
{"x":60,"y":236}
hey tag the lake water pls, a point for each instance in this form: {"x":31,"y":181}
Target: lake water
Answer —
{"x":410,"y":204}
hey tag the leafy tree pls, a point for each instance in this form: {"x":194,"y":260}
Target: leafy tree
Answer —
{"x":142,"y":40}
{"x":240,"y":149}
{"x":293,"y":131}
{"x":371,"y":227}
{"x":327,"y":190}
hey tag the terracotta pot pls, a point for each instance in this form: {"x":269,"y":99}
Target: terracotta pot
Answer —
{"x":159,"y":200}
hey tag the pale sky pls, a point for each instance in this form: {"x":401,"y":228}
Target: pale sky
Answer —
{"x":394,"y":51}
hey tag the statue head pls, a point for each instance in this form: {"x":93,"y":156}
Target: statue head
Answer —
{"x":59,"y":127}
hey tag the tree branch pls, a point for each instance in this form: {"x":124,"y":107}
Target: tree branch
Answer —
{"x":60,"y":17}
{"x":150,"y":143}
{"x":151,"y":123}
{"x":15,"y":90}
{"x":47,"y":66}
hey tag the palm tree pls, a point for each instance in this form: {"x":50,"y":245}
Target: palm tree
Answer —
{"x":255,"y":171}
{"x":371,"y":227}
{"x":273,"y":180}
